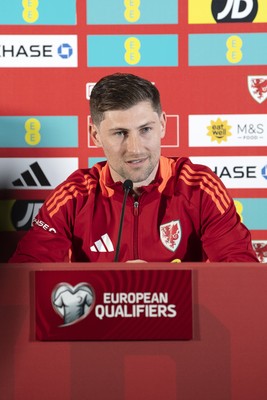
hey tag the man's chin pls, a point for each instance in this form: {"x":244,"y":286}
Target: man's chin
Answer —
{"x":139,"y":181}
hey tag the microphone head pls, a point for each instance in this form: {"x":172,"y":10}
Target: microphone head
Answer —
{"x":127,"y":185}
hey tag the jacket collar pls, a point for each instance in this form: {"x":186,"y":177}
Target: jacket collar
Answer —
{"x":164,"y":173}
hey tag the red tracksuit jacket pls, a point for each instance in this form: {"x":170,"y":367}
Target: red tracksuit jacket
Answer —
{"x":185,"y":213}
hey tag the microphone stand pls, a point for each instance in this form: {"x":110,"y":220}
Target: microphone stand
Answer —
{"x":127,"y":186}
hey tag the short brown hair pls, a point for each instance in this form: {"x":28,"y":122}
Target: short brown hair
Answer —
{"x":121,"y":91}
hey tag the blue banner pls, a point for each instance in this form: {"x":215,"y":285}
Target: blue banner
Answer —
{"x":34,"y":12}
{"x":137,"y":50}
{"x":253,"y":212}
{"x":60,"y":131}
{"x":132,"y":12}
{"x":228,"y":49}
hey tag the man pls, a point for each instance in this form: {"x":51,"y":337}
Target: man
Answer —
{"x":175,"y":211}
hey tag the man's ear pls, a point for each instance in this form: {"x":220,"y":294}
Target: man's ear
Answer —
{"x":93,"y":130}
{"x":163,"y":121}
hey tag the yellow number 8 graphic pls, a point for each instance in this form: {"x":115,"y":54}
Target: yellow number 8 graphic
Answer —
{"x":30,"y":13}
{"x":234,"y":54}
{"x":132,"y":12}
{"x":32,"y":127}
{"x":132,"y":55}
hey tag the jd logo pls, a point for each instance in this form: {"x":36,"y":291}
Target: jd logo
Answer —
{"x":234,"y":10}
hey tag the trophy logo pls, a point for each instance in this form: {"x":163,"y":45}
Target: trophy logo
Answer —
{"x":72,"y":303}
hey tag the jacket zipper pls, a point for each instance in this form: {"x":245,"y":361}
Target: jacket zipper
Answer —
{"x":135,"y":232}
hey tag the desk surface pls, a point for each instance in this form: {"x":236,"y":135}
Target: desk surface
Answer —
{"x":227,"y":359}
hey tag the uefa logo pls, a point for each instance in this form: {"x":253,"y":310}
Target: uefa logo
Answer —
{"x":72,"y":303}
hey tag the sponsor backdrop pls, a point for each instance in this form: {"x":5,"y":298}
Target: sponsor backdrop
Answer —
{"x":207,"y":57}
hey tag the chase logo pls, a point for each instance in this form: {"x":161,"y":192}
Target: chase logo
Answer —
{"x":229,"y":11}
{"x":264,"y":172}
{"x":32,"y":51}
{"x":245,"y":172}
{"x":65,"y":50}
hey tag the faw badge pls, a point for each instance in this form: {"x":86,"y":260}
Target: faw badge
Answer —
{"x":257,"y":86}
{"x":170,"y":234}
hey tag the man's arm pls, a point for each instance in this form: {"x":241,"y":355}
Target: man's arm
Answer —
{"x":36,"y":246}
{"x":226,"y":239}
{"x":46,"y":241}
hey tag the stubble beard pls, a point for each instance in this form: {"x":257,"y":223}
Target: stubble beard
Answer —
{"x":139,"y":176}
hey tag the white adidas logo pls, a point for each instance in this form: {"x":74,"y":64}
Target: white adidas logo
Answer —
{"x":103,"y":245}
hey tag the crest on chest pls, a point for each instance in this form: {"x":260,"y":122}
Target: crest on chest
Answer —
{"x":170,"y":234}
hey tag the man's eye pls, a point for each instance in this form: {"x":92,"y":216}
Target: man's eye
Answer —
{"x":146,"y":129}
{"x":120,"y":133}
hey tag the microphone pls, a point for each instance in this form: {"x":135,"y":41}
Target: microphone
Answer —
{"x":127,"y":186}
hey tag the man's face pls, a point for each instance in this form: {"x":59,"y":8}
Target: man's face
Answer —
{"x":131,"y":142}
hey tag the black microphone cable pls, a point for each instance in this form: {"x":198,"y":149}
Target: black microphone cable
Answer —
{"x":127,"y":186}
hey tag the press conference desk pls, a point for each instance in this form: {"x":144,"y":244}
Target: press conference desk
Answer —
{"x":227,"y":358}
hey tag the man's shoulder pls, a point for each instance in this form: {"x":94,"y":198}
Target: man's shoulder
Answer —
{"x":92,"y":174}
{"x":177,"y":166}
{"x":85,"y":178}
{"x":79,"y":185}
{"x":196,"y":180}
{"x":195,"y":171}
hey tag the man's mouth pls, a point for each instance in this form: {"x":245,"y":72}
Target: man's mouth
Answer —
{"x":136,"y":161}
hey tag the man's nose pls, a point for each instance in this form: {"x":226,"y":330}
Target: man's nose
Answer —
{"x":134,"y":143}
